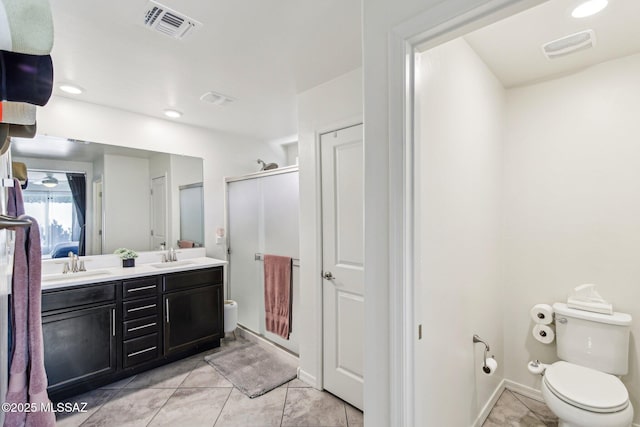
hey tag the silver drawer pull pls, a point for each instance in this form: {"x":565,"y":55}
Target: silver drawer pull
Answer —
{"x":141,"y":288}
{"x":141,"y":351}
{"x":141,"y":327}
{"x":144,"y":307}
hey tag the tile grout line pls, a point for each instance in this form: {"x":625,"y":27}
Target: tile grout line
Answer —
{"x":286,"y":394}
{"x":535,"y":415}
{"x":105,"y":402}
{"x":225,"y":404}
{"x":162,"y":406}
{"x":538,"y":416}
{"x":346,"y":416}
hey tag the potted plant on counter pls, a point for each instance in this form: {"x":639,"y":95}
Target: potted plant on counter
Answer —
{"x":128,"y":256}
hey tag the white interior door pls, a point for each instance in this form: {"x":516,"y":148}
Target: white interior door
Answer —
{"x":343,"y":263}
{"x":159,"y":212}
{"x":97,"y":217}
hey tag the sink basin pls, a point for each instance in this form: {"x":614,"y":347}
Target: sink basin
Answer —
{"x":171,"y":264}
{"x":73,"y":276}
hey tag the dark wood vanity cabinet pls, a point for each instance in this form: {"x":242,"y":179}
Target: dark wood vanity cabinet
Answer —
{"x":80,"y":335}
{"x":97,"y":334}
{"x":193,"y":309}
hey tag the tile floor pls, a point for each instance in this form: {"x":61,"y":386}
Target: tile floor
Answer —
{"x":190,"y":393}
{"x":515,"y":410}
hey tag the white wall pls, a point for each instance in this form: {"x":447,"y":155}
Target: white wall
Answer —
{"x":572,"y":203}
{"x":223,"y":154}
{"x":458,"y":170}
{"x":326,"y":107}
{"x":292,"y":153}
{"x":127,"y":219}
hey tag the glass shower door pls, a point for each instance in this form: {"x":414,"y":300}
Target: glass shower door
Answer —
{"x":244,"y":271}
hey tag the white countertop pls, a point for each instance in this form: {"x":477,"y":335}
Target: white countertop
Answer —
{"x":107,"y":268}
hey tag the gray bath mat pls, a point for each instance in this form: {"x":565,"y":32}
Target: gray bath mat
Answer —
{"x":252,"y":369}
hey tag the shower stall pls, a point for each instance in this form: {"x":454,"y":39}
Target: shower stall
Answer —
{"x":262,"y":218}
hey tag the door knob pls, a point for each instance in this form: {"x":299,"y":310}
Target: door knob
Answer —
{"x":327,"y":275}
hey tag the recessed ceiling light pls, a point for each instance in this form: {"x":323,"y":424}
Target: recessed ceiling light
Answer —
{"x":174,"y":114}
{"x":71,"y":88}
{"x":588,"y":8}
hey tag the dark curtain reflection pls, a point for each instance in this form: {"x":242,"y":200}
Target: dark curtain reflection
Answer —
{"x":78,"y":186}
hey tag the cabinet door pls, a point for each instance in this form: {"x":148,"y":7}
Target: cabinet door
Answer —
{"x":79,"y":345}
{"x":192,"y":317}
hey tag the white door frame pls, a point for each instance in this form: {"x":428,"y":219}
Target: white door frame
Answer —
{"x":434,"y":26}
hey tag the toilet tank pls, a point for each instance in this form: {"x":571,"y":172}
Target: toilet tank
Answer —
{"x":594,"y":340}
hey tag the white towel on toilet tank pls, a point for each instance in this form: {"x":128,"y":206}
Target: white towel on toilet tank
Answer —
{"x":585,"y":297}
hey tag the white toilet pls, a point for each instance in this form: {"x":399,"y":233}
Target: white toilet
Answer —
{"x":583,"y":388}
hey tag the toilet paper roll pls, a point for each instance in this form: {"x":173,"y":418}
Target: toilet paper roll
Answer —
{"x":542,"y":314}
{"x":489,"y":366}
{"x":544,"y":333}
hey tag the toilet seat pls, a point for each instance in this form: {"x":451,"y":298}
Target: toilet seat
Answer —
{"x":586,"y":388}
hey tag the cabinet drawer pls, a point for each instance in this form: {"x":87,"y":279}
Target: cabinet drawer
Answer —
{"x":56,"y":300}
{"x":140,"y":308}
{"x":138,"y":327}
{"x":188,"y":279}
{"x":138,"y":288}
{"x":139,"y":350}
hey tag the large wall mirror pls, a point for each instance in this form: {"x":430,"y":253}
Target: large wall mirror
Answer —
{"x":92,"y":198}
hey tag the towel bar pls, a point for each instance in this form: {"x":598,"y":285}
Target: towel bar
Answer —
{"x":260,"y":257}
{"x":10,"y":222}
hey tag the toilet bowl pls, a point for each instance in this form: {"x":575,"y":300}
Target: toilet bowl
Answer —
{"x":585,"y":397}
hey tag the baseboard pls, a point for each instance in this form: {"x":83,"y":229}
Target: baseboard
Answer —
{"x":524,"y":390}
{"x":262,"y":341}
{"x":306,"y":377}
{"x":486,"y":409}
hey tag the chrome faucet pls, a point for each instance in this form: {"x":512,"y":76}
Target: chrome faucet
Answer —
{"x":73,"y":265}
{"x":170,"y":256}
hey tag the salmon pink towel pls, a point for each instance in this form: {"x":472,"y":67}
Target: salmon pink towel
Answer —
{"x":277,"y":294}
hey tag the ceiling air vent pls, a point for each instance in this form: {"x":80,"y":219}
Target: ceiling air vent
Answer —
{"x":216,"y":98}
{"x":167,"y":21}
{"x":566,"y":45}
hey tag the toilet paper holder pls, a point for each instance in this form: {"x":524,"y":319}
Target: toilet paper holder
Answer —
{"x":477,"y":339}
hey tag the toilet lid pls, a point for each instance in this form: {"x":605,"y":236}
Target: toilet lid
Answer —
{"x":586,"y":388}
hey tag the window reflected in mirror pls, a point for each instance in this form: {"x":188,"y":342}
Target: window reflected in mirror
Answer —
{"x":49,"y":199}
